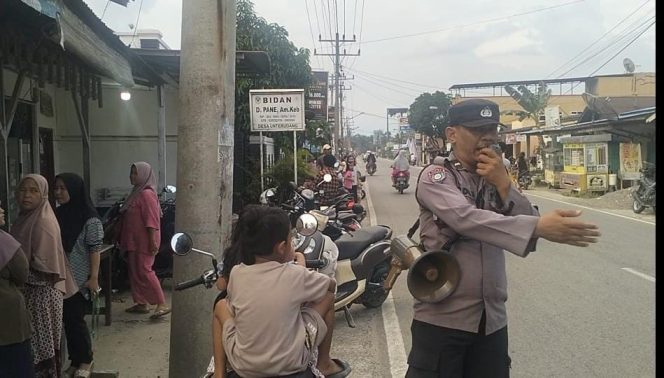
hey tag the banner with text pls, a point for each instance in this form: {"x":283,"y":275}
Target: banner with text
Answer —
{"x":277,"y":109}
{"x":317,"y":96}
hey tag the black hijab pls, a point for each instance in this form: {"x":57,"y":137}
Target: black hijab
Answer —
{"x":73,"y":214}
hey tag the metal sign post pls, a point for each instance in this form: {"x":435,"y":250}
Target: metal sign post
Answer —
{"x":277,"y":110}
{"x":295,"y":155}
{"x":260,"y":135}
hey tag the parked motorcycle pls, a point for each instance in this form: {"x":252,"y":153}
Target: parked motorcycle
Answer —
{"x":644,"y":194}
{"x":163,"y":262}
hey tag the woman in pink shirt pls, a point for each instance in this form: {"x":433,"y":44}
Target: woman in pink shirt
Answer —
{"x":140,"y":238}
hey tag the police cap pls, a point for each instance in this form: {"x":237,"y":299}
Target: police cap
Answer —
{"x":474,"y":113}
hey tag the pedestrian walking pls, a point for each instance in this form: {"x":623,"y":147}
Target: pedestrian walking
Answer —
{"x":82,"y":232}
{"x":140,"y":238}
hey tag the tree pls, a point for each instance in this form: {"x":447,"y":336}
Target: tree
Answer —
{"x":532,"y":103}
{"x":289,"y":68}
{"x":428,"y":114}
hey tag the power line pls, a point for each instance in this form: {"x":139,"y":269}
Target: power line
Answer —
{"x":138,"y":17}
{"x":616,"y":41}
{"x":490,"y":20}
{"x":619,"y":51}
{"x":306,"y":6}
{"x":393,"y":79}
{"x":387,"y":83}
{"x":104,"y":12}
{"x":623,"y":49}
{"x":599,"y":39}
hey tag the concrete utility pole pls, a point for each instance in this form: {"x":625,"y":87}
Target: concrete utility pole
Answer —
{"x":338,"y":127}
{"x":204,"y":172}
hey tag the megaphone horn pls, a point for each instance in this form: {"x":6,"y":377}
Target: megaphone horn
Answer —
{"x":432,"y":276}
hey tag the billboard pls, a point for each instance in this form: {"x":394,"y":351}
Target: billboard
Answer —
{"x":277,"y":109}
{"x":316,"y":99}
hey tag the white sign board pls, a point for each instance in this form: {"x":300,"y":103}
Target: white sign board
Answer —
{"x":552,"y":116}
{"x":277,"y":109}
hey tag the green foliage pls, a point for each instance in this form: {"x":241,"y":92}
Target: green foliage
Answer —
{"x":532,"y":103}
{"x":281,"y":172}
{"x":318,"y":132}
{"x":362,"y":143}
{"x":289,"y":65}
{"x":428,"y":114}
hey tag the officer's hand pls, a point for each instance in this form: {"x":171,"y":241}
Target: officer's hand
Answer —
{"x":490,"y":166}
{"x":561,"y":227}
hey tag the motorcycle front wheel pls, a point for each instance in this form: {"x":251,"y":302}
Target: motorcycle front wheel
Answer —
{"x":375,"y":293}
{"x":637,"y":207}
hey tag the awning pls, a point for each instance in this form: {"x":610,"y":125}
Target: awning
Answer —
{"x":85,"y":40}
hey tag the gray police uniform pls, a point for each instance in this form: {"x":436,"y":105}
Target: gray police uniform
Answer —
{"x":456,"y":202}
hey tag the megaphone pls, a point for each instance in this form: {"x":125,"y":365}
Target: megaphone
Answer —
{"x":432,"y":276}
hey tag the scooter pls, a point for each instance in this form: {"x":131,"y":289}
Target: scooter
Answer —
{"x":371,"y":168}
{"x":361,"y":267}
{"x":401,"y":181}
{"x":524,"y":180}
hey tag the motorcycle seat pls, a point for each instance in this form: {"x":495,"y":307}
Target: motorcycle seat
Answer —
{"x":345,"y":216}
{"x":350,"y":246}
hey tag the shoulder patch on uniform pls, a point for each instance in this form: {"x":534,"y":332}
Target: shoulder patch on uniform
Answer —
{"x":436,"y":175}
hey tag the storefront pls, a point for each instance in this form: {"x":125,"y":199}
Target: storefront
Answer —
{"x":587,"y":162}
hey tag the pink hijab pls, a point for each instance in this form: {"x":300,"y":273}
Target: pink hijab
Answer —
{"x":145,"y":180}
{"x":8,"y":248}
{"x":39,"y":234}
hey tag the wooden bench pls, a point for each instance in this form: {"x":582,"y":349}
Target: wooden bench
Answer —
{"x":106,"y":264}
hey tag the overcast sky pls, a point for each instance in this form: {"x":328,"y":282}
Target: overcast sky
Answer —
{"x":408,"y":48}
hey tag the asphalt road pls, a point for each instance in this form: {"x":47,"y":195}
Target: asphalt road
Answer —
{"x":573,"y":312}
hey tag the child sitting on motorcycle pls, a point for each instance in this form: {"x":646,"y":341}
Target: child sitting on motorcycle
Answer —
{"x":277,"y":315}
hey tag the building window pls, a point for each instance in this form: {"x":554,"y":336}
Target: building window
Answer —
{"x":149,"y":44}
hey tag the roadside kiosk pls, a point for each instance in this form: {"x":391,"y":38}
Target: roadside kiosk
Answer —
{"x":587,"y":162}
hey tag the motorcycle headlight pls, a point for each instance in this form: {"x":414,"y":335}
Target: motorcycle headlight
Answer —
{"x":310,"y":248}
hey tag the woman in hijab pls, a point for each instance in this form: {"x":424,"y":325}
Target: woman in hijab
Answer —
{"x":15,"y":329}
{"x":140,"y":238}
{"x":49,"y":279}
{"x":400,"y":163}
{"x":82,"y":233}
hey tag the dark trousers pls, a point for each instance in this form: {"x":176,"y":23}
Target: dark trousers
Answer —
{"x":16,"y":360}
{"x":444,"y":352}
{"x":79,"y":344}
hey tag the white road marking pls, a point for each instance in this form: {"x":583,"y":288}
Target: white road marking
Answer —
{"x":396,"y":350}
{"x":642,"y":275}
{"x":590,"y":208}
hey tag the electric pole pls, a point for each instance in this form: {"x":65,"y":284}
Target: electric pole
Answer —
{"x":337,"y":70}
{"x":204,"y":170}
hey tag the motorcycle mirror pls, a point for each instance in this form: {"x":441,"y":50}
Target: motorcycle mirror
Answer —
{"x":328,"y":177}
{"x":308,"y":194}
{"x":170,"y":189}
{"x":336,"y":165}
{"x":181,"y":244}
{"x":269,"y":193}
{"x":306,"y":224}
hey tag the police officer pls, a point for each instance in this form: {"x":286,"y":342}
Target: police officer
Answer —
{"x":468,"y":199}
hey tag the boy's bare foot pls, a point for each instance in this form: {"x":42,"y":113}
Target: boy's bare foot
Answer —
{"x":334,"y":367}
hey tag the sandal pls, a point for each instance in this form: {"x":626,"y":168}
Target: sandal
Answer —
{"x":138,"y":309}
{"x":158,"y":314}
{"x":345,"y":369}
{"x":83,"y":373}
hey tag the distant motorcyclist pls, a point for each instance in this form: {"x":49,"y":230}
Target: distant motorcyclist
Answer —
{"x":521,"y":163}
{"x":371,"y":162}
{"x":400,"y":164}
